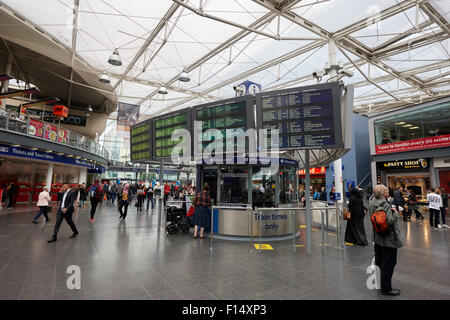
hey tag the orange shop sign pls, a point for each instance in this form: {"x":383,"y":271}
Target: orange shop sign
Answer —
{"x":319,"y":170}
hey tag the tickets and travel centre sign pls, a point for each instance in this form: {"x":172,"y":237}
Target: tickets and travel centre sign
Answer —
{"x":38,"y":155}
{"x":416,"y":144}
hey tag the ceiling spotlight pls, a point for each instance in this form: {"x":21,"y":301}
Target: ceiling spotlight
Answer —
{"x":114,"y":59}
{"x":88,"y":114}
{"x":104,"y":78}
{"x":184,"y":77}
{"x":90,"y":108}
{"x":162,"y":90}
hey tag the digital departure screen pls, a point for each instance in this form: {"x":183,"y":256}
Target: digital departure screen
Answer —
{"x":164,"y":126}
{"x":140,"y":141}
{"x":306,"y":117}
{"x":231,"y":117}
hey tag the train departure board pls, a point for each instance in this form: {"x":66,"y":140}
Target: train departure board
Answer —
{"x":232,"y":117}
{"x":140,"y":141}
{"x":163,"y":128}
{"x":306,"y":117}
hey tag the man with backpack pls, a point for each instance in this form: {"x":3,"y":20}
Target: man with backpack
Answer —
{"x":386,"y":236}
{"x":95,"y":192}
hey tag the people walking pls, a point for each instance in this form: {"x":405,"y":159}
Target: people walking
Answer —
{"x":12,"y":189}
{"x":202,"y":203}
{"x":124,"y":200}
{"x":354,"y":231}
{"x":113,"y":192}
{"x":65,"y":211}
{"x":323,"y":194}
{"x":413,"y":206}
{"x":95,"y":194}
{"x":386,"y":242}
{"x":83,"y":196}
{"x":149,"y":195}
{"x":4,"y":197}
{"x":434,"y":206}
{"x":119,"y":190}
{"x":166,"y":192}
{"x":140,"y":197}
{"x":399,"y":202}
{"x":443,"y":206}
{"x":43,"y":203}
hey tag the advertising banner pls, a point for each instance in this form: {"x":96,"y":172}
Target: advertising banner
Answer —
{"x":62,"y":136}
{"x":50,"y":132}
{"x":416,"y":144}
{"x":127,"y":115}
{"x":36,"y":128}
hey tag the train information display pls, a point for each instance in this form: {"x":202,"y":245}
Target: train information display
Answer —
{"x":140,"y":141}
{"x":232,"y":117}
{"x":306,"y":117}
{"x":164,"y":126}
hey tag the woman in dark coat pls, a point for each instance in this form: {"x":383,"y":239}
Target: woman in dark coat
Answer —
{"x":355,"y":232}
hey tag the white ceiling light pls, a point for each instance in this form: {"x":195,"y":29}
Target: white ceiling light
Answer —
{"x":162,"y":90}
{"x":184,"y":77}
{"x":104,"y":78}
{"x":90,"y":109}
{"x":114,"y":59}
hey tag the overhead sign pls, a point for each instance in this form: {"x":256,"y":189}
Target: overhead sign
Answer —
{"x":306,"y":117}
{"x":48,"y":116}
{"x":416,"y":144}
{"x":38,"y":155}
{"x":404,"y":164}
{"x":127,"y":115}
{"x":321,"y":170}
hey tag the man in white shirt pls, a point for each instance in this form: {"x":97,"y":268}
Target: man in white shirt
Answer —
{"x":434,"y":203}
{"x":65,"y":211}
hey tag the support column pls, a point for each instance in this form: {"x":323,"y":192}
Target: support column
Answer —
{"x":147,"y":183}
{"x":249,"y":186}
{"x":5,"y":84}
{"x":433,"y":175}
{"x":48,"y":181}
{"x":308,"y":203}
{"x":82,"y":176}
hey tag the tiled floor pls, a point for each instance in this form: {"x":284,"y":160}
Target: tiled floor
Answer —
{"x":130,"y":260}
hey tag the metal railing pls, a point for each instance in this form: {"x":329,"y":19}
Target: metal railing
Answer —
{"x":35,"y":128}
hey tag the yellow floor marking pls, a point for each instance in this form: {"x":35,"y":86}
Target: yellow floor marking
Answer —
{"x":349,"y":244}
{"x":316,"y":229}
{"x":264,"y":246}
{"x":302,"y":226}
{"x":299,"y":245}
{"x":331,"y":234}
{"x":326,"y":244}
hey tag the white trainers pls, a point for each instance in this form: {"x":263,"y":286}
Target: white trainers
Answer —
{"x":439,"y":226}
{"x":445,"y":226}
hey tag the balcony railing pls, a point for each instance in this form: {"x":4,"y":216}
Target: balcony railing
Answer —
{"x":32,"y":127}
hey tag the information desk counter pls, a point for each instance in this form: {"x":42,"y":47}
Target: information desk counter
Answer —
{"x":237,"y":220}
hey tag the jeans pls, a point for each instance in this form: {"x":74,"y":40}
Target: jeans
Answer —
{"x":434,"y":215}
{"x":385,"y":259}
{"x":416,"y":211}
{"x":123,"y":204}
{"x":42,"y":210}
{"x":60,"y":216}
{"x":148,"y":202}
{"x":94,"y":204}
{"x":113,"y":197}
{"x":443,"y":215}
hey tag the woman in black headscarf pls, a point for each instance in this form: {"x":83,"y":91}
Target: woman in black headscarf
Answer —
{"x":355,"y":232}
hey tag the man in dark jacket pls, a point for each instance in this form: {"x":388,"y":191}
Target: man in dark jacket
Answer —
{"x":323,"y":194}
{"x":443,"y":209}
{"x":386,"y":243}
{"x":95,"y":193}
{"x":399,"y":201}
{"x":65,"y":210}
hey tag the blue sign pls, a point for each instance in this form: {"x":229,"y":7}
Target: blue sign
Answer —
{"x":248,"y":87}
{"x":337,"y":196}
{"x":249,"y":160}
{"x":39,"y":155}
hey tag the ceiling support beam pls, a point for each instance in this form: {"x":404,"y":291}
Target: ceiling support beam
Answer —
{"x":435,"y":16}
{"x":74,"y":46}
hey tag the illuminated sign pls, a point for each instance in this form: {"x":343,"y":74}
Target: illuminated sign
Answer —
{"x":404,"y":164}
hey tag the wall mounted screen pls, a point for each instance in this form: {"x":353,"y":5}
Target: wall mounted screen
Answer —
{"x":140,"y":141}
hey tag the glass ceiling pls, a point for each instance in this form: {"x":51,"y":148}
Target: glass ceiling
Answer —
{"x":404,"y":44}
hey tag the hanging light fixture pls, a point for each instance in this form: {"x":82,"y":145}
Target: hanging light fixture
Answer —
{"x":162,"y":90}
{"x":90,"y":108}
{"x":184,"y":76}
{"x":114,"y":59}
{"x":104,"y":78}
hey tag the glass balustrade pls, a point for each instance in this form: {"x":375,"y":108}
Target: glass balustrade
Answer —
{"x":23,"y":124}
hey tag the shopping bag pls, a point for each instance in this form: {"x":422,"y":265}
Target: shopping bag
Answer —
{"x":105,"y":197}
{"x":190,"y":212}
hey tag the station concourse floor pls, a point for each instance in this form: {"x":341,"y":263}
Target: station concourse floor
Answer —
{"x":131,"y":260}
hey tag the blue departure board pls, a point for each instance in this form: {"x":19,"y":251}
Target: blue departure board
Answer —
{"x":306,"y":117}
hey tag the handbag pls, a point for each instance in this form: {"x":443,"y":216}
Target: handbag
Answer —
{"x":190,"y":212}
{"x":346,"y":215}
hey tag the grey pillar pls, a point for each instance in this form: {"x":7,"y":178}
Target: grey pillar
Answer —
{"x":308,"y":203}
{"x":249,"y":186}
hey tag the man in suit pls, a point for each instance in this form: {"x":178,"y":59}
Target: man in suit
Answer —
{"x":65,"y":211}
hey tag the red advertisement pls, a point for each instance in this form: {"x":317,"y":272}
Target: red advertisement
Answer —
{"x":62,"y":136}
{"x":320,"y":170}
{"x":36,"y":128}
{"x":50,"y":132}
{"x":416,"y":144}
